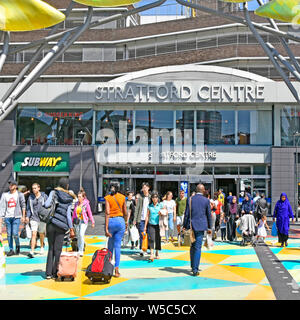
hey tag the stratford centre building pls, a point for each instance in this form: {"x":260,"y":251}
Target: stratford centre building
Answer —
{"x":154,"y":107}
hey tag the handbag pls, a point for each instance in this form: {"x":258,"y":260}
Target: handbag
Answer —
{"x":134,"y":234}
{"x":191,"y":232}
{"x":23,"y":234}
{"x":208,"y":242}
{"x":145,"y":242}
{"x":274,"y":231}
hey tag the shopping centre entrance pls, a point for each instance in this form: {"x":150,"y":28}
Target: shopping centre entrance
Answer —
{"x":227,"y":185}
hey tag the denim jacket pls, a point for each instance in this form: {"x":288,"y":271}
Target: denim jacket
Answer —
{"x":21,"y":204}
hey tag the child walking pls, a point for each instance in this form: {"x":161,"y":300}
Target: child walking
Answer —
{"x":261,"y":231}
{"x":223,"y":226}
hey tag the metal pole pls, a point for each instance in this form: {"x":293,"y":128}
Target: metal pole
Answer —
{"x":5,"y":49}
{"x":81,"y":163}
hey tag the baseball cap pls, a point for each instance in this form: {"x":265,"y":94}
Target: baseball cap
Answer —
{"x":12,"y":181}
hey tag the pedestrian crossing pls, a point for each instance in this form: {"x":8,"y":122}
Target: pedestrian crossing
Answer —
{"x":228,"y":272}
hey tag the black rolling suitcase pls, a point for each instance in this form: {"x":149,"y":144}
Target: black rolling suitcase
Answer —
{"x":101,"y":269}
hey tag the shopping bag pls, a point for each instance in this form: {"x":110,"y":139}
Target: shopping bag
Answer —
{"x":28,"y":231}
{"x":274,"y":231}
{"x":23,"y":234}
{"x":208,"y":242}
{"x":2,"y":261}
{"x":145,"y":242}
{"x":134,"y":234}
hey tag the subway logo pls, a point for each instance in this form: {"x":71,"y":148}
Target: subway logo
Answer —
{"x":41,"y":161}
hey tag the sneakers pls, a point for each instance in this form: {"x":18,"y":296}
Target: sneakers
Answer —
{"x":30,"y":255}
{"x":142,"y":253}
{"x":42,"y":251}
{"x":196,"y":273}
{"x":10,"y":253}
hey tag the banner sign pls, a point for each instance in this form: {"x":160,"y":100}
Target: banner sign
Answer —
{"x":41,"y":161}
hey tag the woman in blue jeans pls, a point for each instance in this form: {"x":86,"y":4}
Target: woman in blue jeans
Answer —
{"x":115,"y":223}
{"x":170,"y":205}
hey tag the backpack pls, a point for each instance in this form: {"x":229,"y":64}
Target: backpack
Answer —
{"x":46,"y":213}
{"x":261,"y":209}
{"x":101,"y":269}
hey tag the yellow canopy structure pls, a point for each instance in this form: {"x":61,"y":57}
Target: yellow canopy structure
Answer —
{"x":106,"y":3}
{"x":283,"y":10}
{"x":27,"y":15}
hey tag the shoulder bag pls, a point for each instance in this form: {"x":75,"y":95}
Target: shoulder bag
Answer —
{"x":191,"y":231}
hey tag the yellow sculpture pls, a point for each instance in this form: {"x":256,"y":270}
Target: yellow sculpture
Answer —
{"x":283,"y":10}
{"x":27,"y":15}
{"x":106,"y":3}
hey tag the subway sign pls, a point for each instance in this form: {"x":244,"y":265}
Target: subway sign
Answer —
{"x":41,"y":161}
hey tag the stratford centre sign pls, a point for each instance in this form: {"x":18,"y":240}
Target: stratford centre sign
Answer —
{"x":181,"y":92}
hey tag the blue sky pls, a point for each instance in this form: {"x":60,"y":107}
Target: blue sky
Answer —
{"x":171,"y":7}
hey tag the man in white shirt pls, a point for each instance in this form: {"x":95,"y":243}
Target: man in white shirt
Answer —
{"x":12,"y":210}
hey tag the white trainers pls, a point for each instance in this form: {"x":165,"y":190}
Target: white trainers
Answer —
{"x":42,"y":251}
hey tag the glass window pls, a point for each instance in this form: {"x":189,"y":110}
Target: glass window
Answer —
{"x":259,"y":185}
{"x":116,"y":170}
{"x":142,"y":170}
{"x":112,"y":120}
{"x":167,"y":170}
{"x":53,"y":127}
{"x":219,"y":126}
{"x":259,"y":169}
{"x":290,"y":123}
{"x":155,"y":119}
{"x":226,"y":170}
{"x":255,"y":127}
{"x":185,"y":126}
{"x":245,"y":170}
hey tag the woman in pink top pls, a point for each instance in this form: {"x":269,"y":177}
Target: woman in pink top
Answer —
{"x":81,"y":215}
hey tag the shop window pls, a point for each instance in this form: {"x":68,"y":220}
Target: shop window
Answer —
{"x":259,"y":185}
{"x":53,"y":126}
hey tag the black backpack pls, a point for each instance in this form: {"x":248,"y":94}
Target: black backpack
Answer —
{"x":46,"y":213}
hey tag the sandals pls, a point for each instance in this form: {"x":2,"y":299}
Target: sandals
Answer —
{"x":117,"y":273}
{"x":151,"y":259}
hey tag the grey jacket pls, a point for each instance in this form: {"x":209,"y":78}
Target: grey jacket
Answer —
{"x":139,"y":208}
{"x":21,"y":204}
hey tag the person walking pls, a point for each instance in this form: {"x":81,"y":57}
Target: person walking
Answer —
{"x":213,"y":209}
{"x":115,"y":223}
{"x":198,"y":208}
{"x":59,"y":224}
{"x":170,"y":205}
{"x":283,"y":212}
{"x":13,"y":211}
{"x":232,"y":214}
{"x":247,"y":205}
{"x":152,"y":222}
{"x":35,"y":201}
{"x":130,"y":206}
{"x":261,"y":228}
{"x":218,"y":211}
{"x":223,"y":222}
{"x":82,"y":213}
{"x":180,"y":209}
{"x":140,"y":212}
{"x":229,"y":198}
{"x":261,"y":207}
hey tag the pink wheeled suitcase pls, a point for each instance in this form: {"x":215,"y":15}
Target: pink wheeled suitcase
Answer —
{"x":67,"y":268}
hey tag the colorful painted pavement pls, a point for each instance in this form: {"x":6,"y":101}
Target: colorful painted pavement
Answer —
{"x":228,"y":272}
